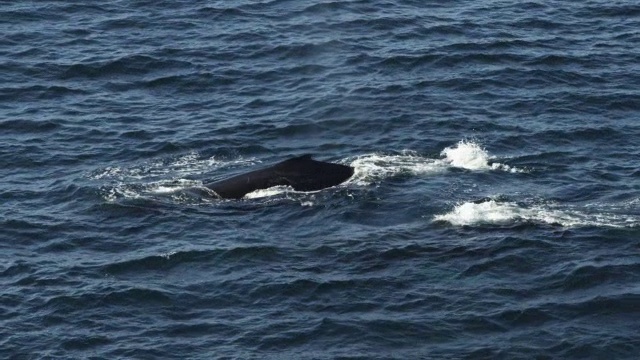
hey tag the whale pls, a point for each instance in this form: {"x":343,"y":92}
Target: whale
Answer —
{"x":302,"y":173}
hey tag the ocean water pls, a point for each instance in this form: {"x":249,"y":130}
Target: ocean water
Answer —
{"x":494,"y":212}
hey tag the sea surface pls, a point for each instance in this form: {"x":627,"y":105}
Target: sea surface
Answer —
{"x":494,"y":212}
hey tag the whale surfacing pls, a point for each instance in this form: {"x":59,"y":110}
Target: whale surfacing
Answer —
{"x":301,"y":173}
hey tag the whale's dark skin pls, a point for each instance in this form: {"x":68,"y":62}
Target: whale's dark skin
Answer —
{"x":301,"y":173}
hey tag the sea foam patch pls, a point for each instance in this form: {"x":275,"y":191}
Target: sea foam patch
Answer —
{"x":370,"y":168}
{"x":468,"y":155}
{"x":165,"y":177}
{"x":505,"y":213}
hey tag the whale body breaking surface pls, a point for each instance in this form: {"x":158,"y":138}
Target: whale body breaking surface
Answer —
{"x":302,"y":173}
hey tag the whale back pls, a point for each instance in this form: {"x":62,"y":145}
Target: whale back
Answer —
{"x":302,"y":173}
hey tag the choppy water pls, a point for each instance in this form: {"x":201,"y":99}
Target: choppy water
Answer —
{"x":494,"y":213}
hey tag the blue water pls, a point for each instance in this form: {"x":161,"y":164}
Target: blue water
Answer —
{"x":494,"y":213}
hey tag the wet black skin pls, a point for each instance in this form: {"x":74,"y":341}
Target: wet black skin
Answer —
{"x":301,"y":173}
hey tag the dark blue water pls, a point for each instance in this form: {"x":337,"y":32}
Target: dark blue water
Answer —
{"x":494,"y":213}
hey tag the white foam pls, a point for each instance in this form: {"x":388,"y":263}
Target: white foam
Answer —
{"x":167,"y":176}
{"x":471,"y":156}
{"x":505,"y":213}
{"x":489,"y":212}
{"x":272,"y":191}
{"x":284,"y":190}
{"x":160,"y":177}
{"x":109,"y":172}
{"x":120,"y":190}
{"x":168,"y":255}
{"x":370,"y":168}
{"x":172,"y":186}
{"x":165,"y":190}
{"x":186,"y":165}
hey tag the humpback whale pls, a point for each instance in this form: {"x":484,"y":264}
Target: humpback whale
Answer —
{"x":301,"y":173}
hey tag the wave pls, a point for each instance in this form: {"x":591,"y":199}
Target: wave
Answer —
{"x":29,"y":126}
{"x":130,"y":65}
{"x":175,"y":258}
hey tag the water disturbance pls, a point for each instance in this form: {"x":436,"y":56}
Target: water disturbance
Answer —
{"x":494,"y":212}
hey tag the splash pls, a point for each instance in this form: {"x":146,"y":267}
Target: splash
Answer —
{"x":489,"y":212}
{"x":505,"y":213}
{"x":371,"y":168}
{"x":471,"y":156}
